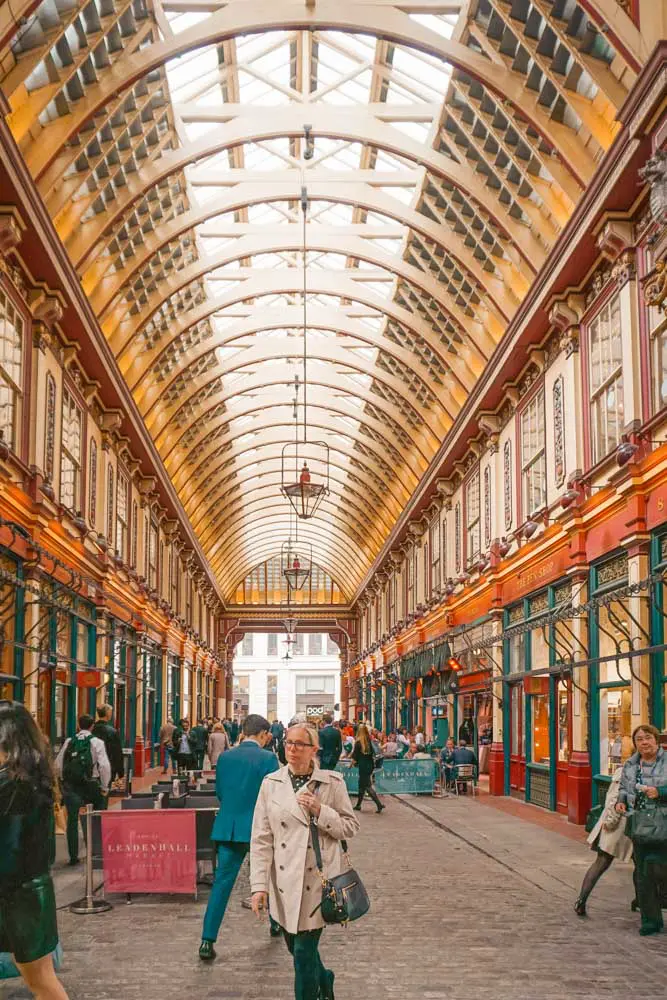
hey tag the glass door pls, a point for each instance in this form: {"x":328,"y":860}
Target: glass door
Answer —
{"x":517,"y":738}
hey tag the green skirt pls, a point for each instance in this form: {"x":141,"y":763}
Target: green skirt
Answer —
{"x":28,"y":925}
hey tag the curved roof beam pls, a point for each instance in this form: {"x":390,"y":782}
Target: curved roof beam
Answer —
{"x":284,"y":241}
{"x":266,"y":420}
{"x":242,"y":124}
{"x":102,"y":284}
{"x":341,"y":558}
{"x":148,"y":394}
{"x":265,"y":282}
{"x":437,"y":420}
{"x":327,"y":416}
{"x":168,"y":438}
{"x":345,"y":480}
{"x":272,"y":507}
{"x":255,"y":16}
{"x":243,"y":472}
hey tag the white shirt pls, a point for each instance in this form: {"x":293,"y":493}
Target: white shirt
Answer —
{"x":402,"y":739}
{"x":101,"y":765}
{"x":419,"y":739}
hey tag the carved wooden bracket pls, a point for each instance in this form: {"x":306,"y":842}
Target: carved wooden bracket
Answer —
{"x":11,"y":228}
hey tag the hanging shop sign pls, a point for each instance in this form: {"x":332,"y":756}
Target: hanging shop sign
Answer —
{"x":314,"y":711}
{"x":88,"y":678}
{"x":152,"y":850}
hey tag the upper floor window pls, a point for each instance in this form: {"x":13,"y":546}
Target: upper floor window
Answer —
{"x":272,"y":644}
{"x":606,"y":379}
{"x":11,"y":369}
{"x":122,"y":507}
{"x":152,"y":556}
{"x":392,"y":588}
{"x":70,"y":459}
{"x":473,"y":523}
{"x":657,"y":331}
{"x":411,"y":576}
{"x":533,"y":455}
{"x":434,"y":549}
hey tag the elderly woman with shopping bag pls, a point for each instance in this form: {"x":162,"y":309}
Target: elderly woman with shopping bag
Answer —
{"x":283,"y":861}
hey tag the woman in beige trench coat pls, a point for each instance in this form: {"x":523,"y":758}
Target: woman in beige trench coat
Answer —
{"x":282,"y":861}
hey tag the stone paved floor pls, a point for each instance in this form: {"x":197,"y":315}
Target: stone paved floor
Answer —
{"x":468,"y":904}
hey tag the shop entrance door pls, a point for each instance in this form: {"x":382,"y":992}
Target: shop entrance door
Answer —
{"x":517,"y":738}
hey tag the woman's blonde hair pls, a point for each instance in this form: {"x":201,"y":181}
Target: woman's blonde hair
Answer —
{"x":313,"y":735}
{"x":364,"y":738}
{"x":218,"y":727}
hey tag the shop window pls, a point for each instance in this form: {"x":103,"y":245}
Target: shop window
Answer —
{"x":533,"y":456}
{"x":187,"y":691}
{"x":122,"y":497}
{"x":615,"y":696}
{"x":473,"y":525}
{"x":517,"y":653}
{"x":606,"y":379}
{"x":539,"y":715}
{"x":70,"y":458}
{"x":517,"y":703}
{"x":11,"y":369}
{"x":564,"y":727}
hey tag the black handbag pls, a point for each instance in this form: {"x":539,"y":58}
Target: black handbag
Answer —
{"x":592,"y":818}
{"x":344,"y":897}
{"x":647,"y":827}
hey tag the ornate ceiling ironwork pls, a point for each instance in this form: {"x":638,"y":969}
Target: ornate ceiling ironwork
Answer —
{"x":450,"y":143}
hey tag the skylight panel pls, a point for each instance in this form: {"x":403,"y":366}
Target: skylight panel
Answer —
{"x":431,"y":73}
{"x":442,"y":24}
{"x":403,"y":194}
{"x":416,"y":130}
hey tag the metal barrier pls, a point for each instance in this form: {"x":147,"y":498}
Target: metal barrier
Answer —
{"x":396,"y":777}
{"x":89,"y":904}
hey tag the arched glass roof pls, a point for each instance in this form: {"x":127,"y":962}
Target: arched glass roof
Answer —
{"x":451,"y":142}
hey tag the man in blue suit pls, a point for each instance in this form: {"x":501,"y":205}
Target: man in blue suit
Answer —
{"x":239,"y":775}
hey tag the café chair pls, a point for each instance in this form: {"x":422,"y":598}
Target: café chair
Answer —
{"x":465,"y":774}
{"x":141,"y":802}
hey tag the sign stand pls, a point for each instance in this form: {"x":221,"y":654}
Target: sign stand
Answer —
{"x":88,"y":904}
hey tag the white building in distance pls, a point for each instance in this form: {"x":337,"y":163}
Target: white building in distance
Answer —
{"x":267,"y":683}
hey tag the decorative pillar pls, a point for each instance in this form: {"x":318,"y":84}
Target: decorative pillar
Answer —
{"x":579,"y":773}
{"x":497,"y":762}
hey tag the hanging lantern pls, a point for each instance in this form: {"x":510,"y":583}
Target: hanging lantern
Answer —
{"x":296,"y":559}
{"x":303,"y":488}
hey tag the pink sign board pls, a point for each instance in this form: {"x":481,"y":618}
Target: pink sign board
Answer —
{"x":152,"y":850}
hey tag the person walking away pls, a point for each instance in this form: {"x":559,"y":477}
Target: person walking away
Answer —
{"x":277,"y":733}
{"x":608,"y":840}
{"x":199,"y":743}
{"x":283,"y":871}
{"x":184,"y":746}
{"x":363,"y":757}
{"x":464,"y":755}
{"x":104,"y":730}
{"x":85,"y":770}
{"x":228,"y":729}
{"x":218,"y":742}
{"x":234,"y":732}
{"x":239,"y":775}
{"x":644,"y":781}
{"x":165,"y":735}
{"x":331,"y":744}
{"x":28,"y":924}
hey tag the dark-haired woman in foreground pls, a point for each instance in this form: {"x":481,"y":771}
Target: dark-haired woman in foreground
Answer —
{"x":28,"y":928}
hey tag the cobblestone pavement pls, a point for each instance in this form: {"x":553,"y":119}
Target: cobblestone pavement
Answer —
{"x":467,"y":904}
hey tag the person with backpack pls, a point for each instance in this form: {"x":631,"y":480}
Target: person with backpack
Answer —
{"x":85,"y":770}
{"x":110,"y":736}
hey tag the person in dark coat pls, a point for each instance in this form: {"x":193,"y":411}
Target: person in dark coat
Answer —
{"x":199,"y":741}
{"x":28,"y":923}
{"x":331,"y":744}
{"x":464,"y":755}
{"x":105,"y":731}
{"x":185,"y":748}
{"x":363,"y":757}
{"x":234,"y":732}
{"x":239,"y":775}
